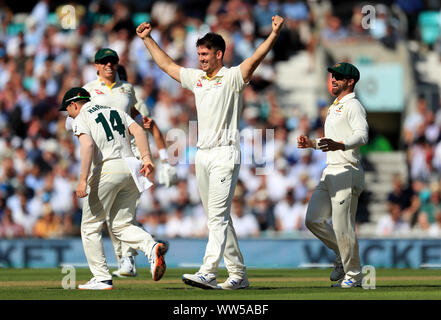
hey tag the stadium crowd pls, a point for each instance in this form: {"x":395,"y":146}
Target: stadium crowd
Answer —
{"x":39,"y":61}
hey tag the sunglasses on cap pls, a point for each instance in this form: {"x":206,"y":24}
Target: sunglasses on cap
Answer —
{"x":105,"y":61}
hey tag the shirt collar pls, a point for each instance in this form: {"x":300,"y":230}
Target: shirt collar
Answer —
{"x":347,"y":97}
{"x":117,"y":81}
{"x":220,"y":73}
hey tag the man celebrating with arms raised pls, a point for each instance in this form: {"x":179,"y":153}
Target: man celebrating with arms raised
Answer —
{"x":219,"y":101}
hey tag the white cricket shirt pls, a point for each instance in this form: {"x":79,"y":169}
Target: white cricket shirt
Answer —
{"x":108,"y":128}
{"x":219,"y":104}
{"x":120,"y":95}
{"x":346,"y":122}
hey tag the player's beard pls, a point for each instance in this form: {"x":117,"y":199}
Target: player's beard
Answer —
{"x":339,"y":89}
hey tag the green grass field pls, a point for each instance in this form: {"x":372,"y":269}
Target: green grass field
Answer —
{"x":274,"y":284}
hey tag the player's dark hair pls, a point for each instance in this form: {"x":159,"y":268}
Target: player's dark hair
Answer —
{"x":212,"y":40}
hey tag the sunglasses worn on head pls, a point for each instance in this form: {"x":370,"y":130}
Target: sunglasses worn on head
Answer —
{"x":107,"y":60}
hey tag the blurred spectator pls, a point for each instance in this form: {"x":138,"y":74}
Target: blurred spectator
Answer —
{"x":48,"y":226}
{"x":413,"y":126}
{"x":8,"y":228}
{"x":333,"y":31}
{"x":420,"y":160}
{"x":21,"y":213}
{"x":263,"y":11}
{"x":356,"y":29}
{"x":400,"y":194}
{"x":430,"y":202}
{"x":245,"y":223}
{"x":435,"y":228}
{"x":285,"y":218}
{"x":393,"y":223}
{"x":299,"y":33}
{"x":179,"y":224}
{"x":262,"y":208}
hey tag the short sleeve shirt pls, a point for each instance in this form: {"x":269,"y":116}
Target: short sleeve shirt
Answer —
{"x":108,"y":128}
{"x":219,"y":103}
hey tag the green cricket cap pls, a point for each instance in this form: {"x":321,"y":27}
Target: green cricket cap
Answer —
{"x":74,"y":94}
{"x":104,"y":53}
{"x":348,"y":70}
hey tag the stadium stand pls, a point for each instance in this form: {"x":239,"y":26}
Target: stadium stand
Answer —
{"x":40,"y":57}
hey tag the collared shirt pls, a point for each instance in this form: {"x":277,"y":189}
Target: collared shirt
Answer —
{"x":219,"y":103}
{"x":108,"y":128}
{"x":120,"y":95}
{"x":346,"y":122}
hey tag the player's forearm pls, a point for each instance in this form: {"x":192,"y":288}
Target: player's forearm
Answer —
{"x":357,"y":139}
{"x":162,"y":59}
{"x":142,"y":141}
{"x":86,"y":152}
{"x":157,"y":135}
{"x":250,"y":64}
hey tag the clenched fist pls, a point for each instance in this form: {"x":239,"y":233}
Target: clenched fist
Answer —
{"x":277,"y":23}
{"x":143,"y":30}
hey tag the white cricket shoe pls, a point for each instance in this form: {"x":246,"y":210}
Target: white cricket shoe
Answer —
{"x":349,"y":282}
{"x":235,"y":283}
{"x":127,"y":268}
{"x":200,"y":280}
{"x":157,"y":261}
{"x":352,"y":281}
{"x":338,"y":273}
{"x":94,"y":284}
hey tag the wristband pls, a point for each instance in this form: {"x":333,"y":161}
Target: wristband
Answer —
{"x":163,"y":154}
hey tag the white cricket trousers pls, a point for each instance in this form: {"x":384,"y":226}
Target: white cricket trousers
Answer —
{"x":112,"y":196}
{"x":123,"y":249}
{"x":217,"y":171}
{"x":336,"y":197}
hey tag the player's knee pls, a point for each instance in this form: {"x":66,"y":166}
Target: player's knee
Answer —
{"x":314,"y":224}
{"x":309,"y":223}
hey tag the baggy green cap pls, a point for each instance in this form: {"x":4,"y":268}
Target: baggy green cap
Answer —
{"x":348,"y":70}
{"x":104,"y":53}
{"x":74,"y":94}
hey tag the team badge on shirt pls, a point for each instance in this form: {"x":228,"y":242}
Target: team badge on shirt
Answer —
{"x":99,"y":91}
{"x":199,"y":84}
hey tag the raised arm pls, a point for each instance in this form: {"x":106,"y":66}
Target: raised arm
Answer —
{"x":249,"y":65}
{"x":156,"y":133}
{"x":161,"y":58}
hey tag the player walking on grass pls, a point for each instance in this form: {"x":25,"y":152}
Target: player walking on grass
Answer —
{"x":219,"y":101}
{"x":342,"y":181}
{"x":110,"y":90}
{"x":111,"y":192}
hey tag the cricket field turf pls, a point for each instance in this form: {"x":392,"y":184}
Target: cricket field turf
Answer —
{"x":265,"y":284}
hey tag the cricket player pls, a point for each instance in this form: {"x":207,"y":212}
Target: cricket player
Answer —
{"x":109,"y":90}
{"x":342,"y":181}
{"x":111,"y":192}
{"x":219,"y":102}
